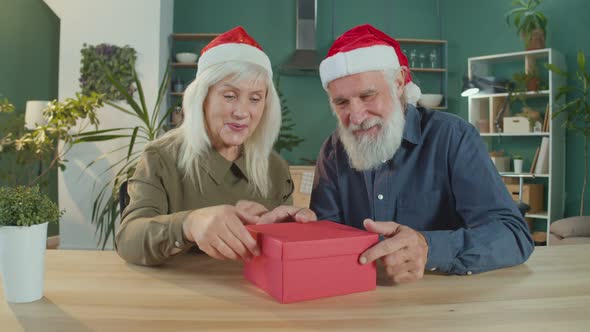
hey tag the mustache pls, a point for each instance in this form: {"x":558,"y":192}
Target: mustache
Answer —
{"x":368,"y":123}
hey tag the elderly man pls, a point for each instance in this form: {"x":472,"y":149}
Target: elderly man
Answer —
{"x":422,"y":179}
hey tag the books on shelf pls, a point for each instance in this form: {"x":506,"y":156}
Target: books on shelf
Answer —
{"x":534,"y":163}
{"x":542,"y":160}
{"x":546,"y":120}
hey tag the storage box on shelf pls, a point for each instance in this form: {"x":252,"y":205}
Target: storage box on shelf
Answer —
{"x":508,"y":130}
{"x":433,"y":61}
{"x":184,"y":42}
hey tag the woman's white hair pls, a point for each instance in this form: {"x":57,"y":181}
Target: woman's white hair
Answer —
{"x":192,"y":133}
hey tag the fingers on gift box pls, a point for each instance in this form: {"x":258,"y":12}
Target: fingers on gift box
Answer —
{"x":304,"y":261}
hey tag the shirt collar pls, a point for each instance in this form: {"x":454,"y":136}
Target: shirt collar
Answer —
{"x":412,"y":130}
{"x":217,"y":166}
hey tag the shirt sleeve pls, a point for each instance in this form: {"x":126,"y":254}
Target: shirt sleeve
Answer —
{"x":495,"y":234}
{"x":324,"y":199}
{"x":148,"y":234}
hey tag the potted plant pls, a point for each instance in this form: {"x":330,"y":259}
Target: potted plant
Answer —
{"x":152,"y":124}
{"x":576,"y":109}
{"x":529,"y":22}
{"x":517,"y":163}
{"x":40,"y":145}
{"x":24,"y":215}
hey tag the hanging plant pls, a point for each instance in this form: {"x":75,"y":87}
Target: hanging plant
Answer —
{"x":119,"y":61}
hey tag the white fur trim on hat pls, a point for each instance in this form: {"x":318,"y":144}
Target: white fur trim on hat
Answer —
{"x":377,"y":57}
{"x":233,"y":52}
{"x":371,"y":58}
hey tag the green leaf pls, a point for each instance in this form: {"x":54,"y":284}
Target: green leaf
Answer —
{"x":98,"y":138}
{"x":95,"y":132}
{"x":581,"y":61}
{"x":120,"y":108}
{"x":142,"y":114}
{"x":133,"y":136}
{"x":166,"y":115}
{"x":555,"y":69}
{"x":141,"y":97}
{"x":161,"y":93}
{"x":26,"y":206}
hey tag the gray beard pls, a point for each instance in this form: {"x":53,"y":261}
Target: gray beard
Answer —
{"x":366,"y":152}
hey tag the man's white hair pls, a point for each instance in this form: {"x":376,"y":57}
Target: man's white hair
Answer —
{"x":192,"y":133}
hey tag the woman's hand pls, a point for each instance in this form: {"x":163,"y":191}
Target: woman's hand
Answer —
{"x":251,"y":208}
{"x":219,"y":231}
{"x":287,"y":213}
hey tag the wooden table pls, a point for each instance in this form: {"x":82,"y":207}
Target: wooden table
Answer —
{"x":97,"y":291}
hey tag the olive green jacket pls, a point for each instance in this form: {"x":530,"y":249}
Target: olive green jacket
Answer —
{"x":161,"y":197}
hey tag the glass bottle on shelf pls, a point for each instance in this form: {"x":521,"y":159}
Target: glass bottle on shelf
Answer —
{"x":433,"y":59}
{"x":422,"y":59}
{"x":177,"y":85}
{"x":413,"y":58}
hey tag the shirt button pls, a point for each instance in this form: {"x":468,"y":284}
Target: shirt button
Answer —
{"x":177,"y":244}
{"x":469,"y":273}
{"x":380,"y":197}
{"x":433,"y":269}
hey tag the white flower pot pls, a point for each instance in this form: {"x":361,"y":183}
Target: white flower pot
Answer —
{"x":517,"y":165}
{"x":22,"y":262}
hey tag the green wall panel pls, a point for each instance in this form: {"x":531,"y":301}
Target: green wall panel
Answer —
{"x":29,"y":54}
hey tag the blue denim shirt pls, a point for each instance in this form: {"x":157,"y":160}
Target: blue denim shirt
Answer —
{"x":440,"y":182}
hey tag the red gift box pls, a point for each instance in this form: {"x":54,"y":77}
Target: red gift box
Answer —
{"x":304,"y":261}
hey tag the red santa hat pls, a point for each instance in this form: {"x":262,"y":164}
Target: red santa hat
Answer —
{"x":364,"y":48}
{"x":233,"y":45}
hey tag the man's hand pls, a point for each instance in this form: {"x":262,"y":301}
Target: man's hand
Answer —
{"x":251,"y":209}
{"x":220,"y":232}
{"x":404,"y":251}
{"x":287,"y":213}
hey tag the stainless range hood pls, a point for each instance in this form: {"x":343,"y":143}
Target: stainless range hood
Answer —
{"x":305,"y":60}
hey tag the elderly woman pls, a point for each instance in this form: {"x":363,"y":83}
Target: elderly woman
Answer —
{"x":202,"y":182}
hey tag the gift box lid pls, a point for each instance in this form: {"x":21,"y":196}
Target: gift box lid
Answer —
{"x":315,"y":239}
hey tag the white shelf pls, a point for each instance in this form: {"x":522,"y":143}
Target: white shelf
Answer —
{"x":428,"y":70}
{"x":523,"y":175}
{"x":486,"y":106}
{"x":421,"y":41}
{"x":194,"y":36}
{"x":528,"y":94}
{"x":512,"y":56}
{"x":508,"y":135}
{"x":537,"y":215}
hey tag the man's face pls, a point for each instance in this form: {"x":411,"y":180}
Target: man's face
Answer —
{"x":370,"y":115}
{"x":359,"y":97}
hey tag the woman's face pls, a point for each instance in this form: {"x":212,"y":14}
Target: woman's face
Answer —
{"x":232,"y":113}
